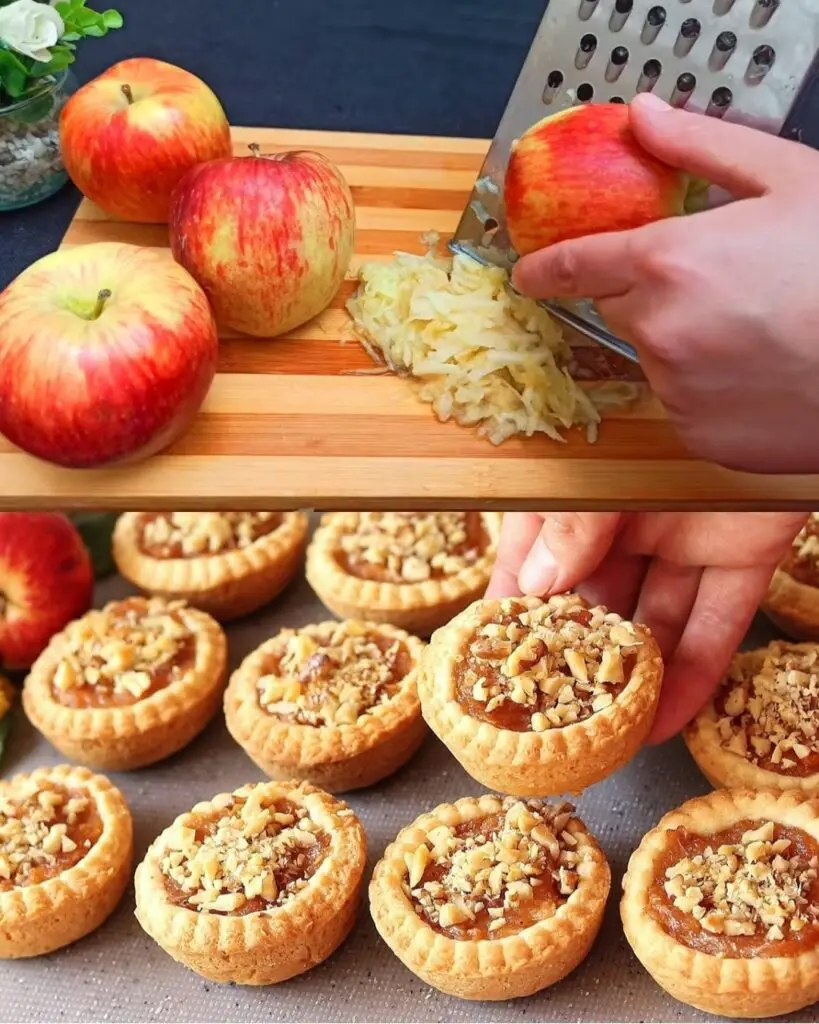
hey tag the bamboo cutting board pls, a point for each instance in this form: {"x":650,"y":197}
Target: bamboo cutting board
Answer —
{"x":288,"y":424}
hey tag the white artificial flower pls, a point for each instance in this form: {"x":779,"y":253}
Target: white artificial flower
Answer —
{"x":30,"y":28}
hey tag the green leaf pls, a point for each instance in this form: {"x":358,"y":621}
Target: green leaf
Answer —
{"x":5,"y":730}
{"x":37,"y":110}
{"x":112,"y":19}
{"x":13,"y":73}
{"x":96,"y":528}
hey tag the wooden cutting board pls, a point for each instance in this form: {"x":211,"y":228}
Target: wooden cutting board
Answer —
{"x":287,"y":424}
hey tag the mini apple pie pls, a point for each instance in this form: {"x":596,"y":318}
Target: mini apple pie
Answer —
{"x":127,"y":685}
{"x":65,"y":857}
{"x":226,"y":563}
{"x":412,"y":569}
{"x":721,"y":903}
{"x":761,"y":728}
{"x":335,"y":704}
{"x":254,"y":886}
{"x":491,"y":897}
{"x":793,"y":596}
{"x":537,"y":697}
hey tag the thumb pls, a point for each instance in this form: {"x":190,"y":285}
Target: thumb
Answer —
{"x":745,"y":161}
{"x":569,"y":547}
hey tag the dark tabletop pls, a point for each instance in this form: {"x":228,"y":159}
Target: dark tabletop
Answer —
{"x":433,"y":67}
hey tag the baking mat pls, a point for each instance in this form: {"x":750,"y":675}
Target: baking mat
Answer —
{"x":119,"y":974}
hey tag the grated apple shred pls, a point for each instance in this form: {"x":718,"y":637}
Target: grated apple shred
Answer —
{"x":482,"y":354}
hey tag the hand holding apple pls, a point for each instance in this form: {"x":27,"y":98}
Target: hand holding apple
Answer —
{"x":582,"y":172}
{"x":106,"y":353}
{"x":128,"y":136}
{"x":269,"y":238}
{"x":46,"y":580}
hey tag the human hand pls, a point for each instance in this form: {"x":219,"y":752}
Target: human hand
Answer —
{"x":722,"y":306}
{"x":696,"y":579}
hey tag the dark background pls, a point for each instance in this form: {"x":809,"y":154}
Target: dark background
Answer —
{"x":432,"y":67}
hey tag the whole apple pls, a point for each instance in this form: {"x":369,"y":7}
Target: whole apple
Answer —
{"x":46,"y":580}
{"x":106,"y":353}
{"x":581,"y":172}
{"x":128,"y":136}
{"x":269,"y":238}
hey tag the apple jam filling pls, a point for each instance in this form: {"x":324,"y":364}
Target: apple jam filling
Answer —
{"x":123,"y":653}
{"x":547,"y":667}
{"x":768,"y":708}
{"x":750,"y":890}
{"x":410,"y":547}
{"x":253,"y":853}
{"x":44,"y":831}
{"x":331,"y":674}
{"x":802,"y":562}
{"x":495,"y":875}
{"x":192,"y":534}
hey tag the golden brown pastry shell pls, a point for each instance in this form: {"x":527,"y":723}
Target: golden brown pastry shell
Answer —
{"x":226,"y":585}
{"x":724,"y":768}
{"x":125,"y":737}
{"x":731,"y":987}
{"x":488,"y":969}
{"x":336,"y":758}
{"x":559,"y":760}
{"x":793,"y":606}
{"x":419,"y":608}
{"x":37,"y":919}
{"x":276,"y":944}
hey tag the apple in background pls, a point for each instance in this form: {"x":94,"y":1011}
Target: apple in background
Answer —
{"x":581,"y":172}
{"x":46,"y":580}
{"x":128,"y":136}
{"x":269,"y":238}
{"x":106,"y":353}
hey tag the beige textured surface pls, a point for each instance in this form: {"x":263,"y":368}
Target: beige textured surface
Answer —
{"x":119,"y":974}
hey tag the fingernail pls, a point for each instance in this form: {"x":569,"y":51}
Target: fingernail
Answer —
{"x":539,"y":570}
{"x":651,"y":102}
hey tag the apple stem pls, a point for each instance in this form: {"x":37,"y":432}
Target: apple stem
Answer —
{"x":255,"y":149}
{"x":102,"y":297}
{"x":126,"y":92}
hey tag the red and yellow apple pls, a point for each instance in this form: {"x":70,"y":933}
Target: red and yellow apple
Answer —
{"x":581,"y":172}
{"x":269,"y":238}
{"x":106,"y":353}
{"x":128,"y":136}
{"x":46,"y":580}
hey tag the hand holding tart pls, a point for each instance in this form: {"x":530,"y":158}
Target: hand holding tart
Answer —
{"x":254,"y":886}
{"x":414,"y":570}
{"x":540,"y":697}
{"x":129,"y":684}
{"x":491,"y":897}
{"x":721,"y":903}
{"x":334,"y":704}
{"x":65,"y":857}
{"x":761,"y":728}
{"x":225,"y":563}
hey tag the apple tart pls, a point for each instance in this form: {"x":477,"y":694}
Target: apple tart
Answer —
{"x":721,"y":902}
{"x":412,"y":569}
{"x":491,"y":897}
{"x":540,"y":697}
{"x":254,"y":886}
{"x":792,"y":602}
{"x":226,"y":563}
{"x":129,"y":684}
{"x":761,"y":728}
{"x":335,"y":704}
{"x":65,"y":857}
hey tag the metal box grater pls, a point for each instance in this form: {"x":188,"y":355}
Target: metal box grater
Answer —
{"x":751,"y":61}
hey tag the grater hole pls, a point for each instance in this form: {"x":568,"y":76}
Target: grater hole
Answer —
{"x":762,"y":12}
{"x":726,"y":41}
{"x":687,"y":36}
{"x":553,"y":83}
{"x":656,"y":16}
{"x":586,"y":9}
{"x":655,"y":19}
{"x":724,"y":46}
{"x":722,"y":6}
{"x":683,"y":88}
{"x":617,"y":61}
{"x":490,"y":225}
{"x":619,"y":16}
{"x":585,"y":92}
{"x":761,"y":63}
{"x":617,"y":99}
{"x":585,"y":52}
{"x":721,"y":99}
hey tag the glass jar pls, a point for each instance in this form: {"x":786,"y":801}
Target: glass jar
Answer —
{"x":31,"y":168}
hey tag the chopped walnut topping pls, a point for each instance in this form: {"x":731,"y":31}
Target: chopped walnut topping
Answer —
{"x":44,"y":830}
{"x":124,"y":651}
{"x":498,"y":873}
{"x":410,"y":547}
{"x":187,"y":534}
{"x":757,"y":886}
{"x":333,"y":673}
{"x":558,"y":663}
{"x":254,"y":853}
{"x":805,"y":547}
{"x":769,"y":707}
